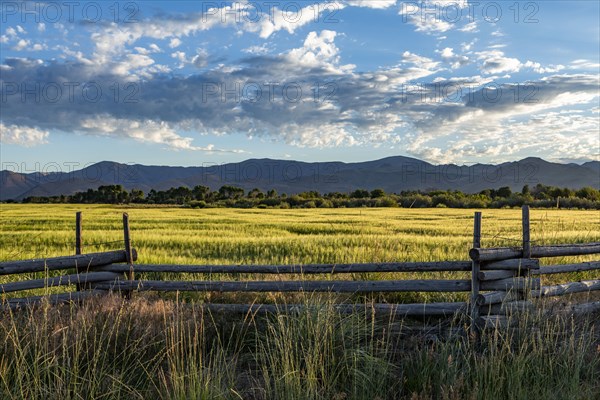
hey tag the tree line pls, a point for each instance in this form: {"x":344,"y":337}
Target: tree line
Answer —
{"x":232,"y":196}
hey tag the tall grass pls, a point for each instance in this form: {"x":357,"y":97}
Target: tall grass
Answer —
{"x":111,"y":349}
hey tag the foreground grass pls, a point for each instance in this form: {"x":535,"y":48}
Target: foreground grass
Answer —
{"x":111,"y":349}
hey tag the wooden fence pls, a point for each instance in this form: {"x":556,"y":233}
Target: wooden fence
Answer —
{"x":502,"y":281}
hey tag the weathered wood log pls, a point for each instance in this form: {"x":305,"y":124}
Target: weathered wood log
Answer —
{"x":496,"y":297}
{"x":65,"y":280}
{"x":494,"y":322}
{"x":294,"y":286}
{"x":560,"y":250}
{"x":568,"y":288}
{"x":564,"y":250}
{"x":586,"y":308}
{"x":307,"y":269}
{"x":83,"y":261}
{"x":507,"y":307}
{"x":475,"y":269}
{"x":128,"y":250}
{"x":516,"y":264}
{"x":494,"y":254}
{"x":495,"y":275}
{"x":427,"y":309}
{"x":512,"y":284}
{"x":52,"y":299}
{"x":565,"y":268}
{"x":78,"y":241}
{"x":526,"y":232}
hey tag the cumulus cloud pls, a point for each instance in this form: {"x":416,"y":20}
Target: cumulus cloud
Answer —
{"x":455,"y":60}
{"x":495,"y":62}
{"x":149,"y":131}
{"x":22,"y":135}
{"x":175,"y":42}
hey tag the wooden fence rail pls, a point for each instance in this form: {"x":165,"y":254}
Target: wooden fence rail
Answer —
{"x":306,"y":269}
{"x":503,"y":280}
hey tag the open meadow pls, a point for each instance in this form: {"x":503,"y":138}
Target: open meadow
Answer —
{"x":168,"y":347}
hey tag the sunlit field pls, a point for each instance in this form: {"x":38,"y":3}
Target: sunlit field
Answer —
{"x":230,"y":236}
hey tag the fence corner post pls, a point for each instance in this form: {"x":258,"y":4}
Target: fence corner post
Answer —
{"x":526,"y":233}
{"x":78,"y":244}
{"x":475,"y":267}
{"x":129,"y":252}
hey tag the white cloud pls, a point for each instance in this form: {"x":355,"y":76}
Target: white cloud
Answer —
{"x":181,"y":57}
{"x":583,"y":64}
{"x":41,"y":27}
{"x":537,"y":67}
{"x":11,"y":32}
{"x":381,"y":4}
{"x":154,"y":48}
{"x":456,"y":60}
{"x":432,"y":16}
{"x":147,"y":131}
{"x":258,"y":50}
{"x":39,"y":47}
{"x":175,"y":42}
{"x":200,"y":60}
{"x":424,"y":63}
{"x":319,"y":50}
{"x":470,"y":27}
{"x":22,"y":135}
{"x":22,"y":44}
{"x":495,"y":62}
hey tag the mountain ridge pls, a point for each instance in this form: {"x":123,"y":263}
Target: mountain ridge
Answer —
{"x":393,"y":174}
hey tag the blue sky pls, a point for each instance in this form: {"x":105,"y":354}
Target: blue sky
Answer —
{"x":195,"y":82}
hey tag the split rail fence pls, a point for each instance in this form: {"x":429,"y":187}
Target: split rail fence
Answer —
{"x":502,"y":281}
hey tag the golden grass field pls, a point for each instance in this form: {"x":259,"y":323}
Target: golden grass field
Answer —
{"x":180,"y":235}
{"x":231,"y":236}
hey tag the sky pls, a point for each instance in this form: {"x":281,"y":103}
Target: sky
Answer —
{"x":194,"y":82}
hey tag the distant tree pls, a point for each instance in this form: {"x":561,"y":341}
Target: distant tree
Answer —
{"x":256,"y":194}
{"x":504,"y":192}
{"x":136,"y":196}
{"x":200,"y":192}
{"x":377,"y":193}
{"x":360,"y":194}
{"x":230,"y":192}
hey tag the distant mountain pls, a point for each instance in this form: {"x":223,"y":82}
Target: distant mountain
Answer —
{"x":393,"y":174}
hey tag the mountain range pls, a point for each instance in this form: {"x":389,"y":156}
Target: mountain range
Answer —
{"x":393,"y":174}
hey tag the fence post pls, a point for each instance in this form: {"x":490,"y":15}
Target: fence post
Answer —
{"x":78,"y":243}
{"x":532,"y":278}
{"x":475,"y":271}
{"x":526,"y":234}
{"x":128,"y":251}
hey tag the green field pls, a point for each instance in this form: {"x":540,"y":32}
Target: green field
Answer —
{"x":152,"y":347}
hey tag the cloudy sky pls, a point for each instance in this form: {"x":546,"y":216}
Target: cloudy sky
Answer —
{"x":184,"y":83}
